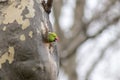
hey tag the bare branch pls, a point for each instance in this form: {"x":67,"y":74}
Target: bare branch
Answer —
{"x":100,"y":15}
{"x":73,"y":46}
{"x":104,"y":27}
{"x":77,"y":27}
{"x":80,"y":27}
{"x":100,"y":58}
{"x":76,"y":42}
{"x":78,"y":16}
{"x":57,"y":6}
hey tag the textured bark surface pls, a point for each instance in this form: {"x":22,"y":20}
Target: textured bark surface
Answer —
{"x":23,"y":53}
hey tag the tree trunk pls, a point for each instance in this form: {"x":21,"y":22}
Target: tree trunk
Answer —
{"x":24,"y":54}
{"x":69,"y":67}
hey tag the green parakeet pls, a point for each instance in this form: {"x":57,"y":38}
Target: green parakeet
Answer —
{"x":52,"y":37}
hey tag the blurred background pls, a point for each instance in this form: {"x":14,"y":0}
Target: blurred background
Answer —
{"x":89,"y":32}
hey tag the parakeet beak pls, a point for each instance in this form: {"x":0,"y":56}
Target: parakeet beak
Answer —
{"x":56,"y":39}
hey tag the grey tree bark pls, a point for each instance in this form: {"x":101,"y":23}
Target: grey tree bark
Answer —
{"x":24,"y":55}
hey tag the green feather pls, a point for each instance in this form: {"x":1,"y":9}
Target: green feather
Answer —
{"x":52,"y":37}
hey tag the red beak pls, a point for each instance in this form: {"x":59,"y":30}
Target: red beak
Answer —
{"x":57,"y":39}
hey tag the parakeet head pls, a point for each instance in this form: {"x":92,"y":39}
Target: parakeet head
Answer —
{"x":52,"y":37}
